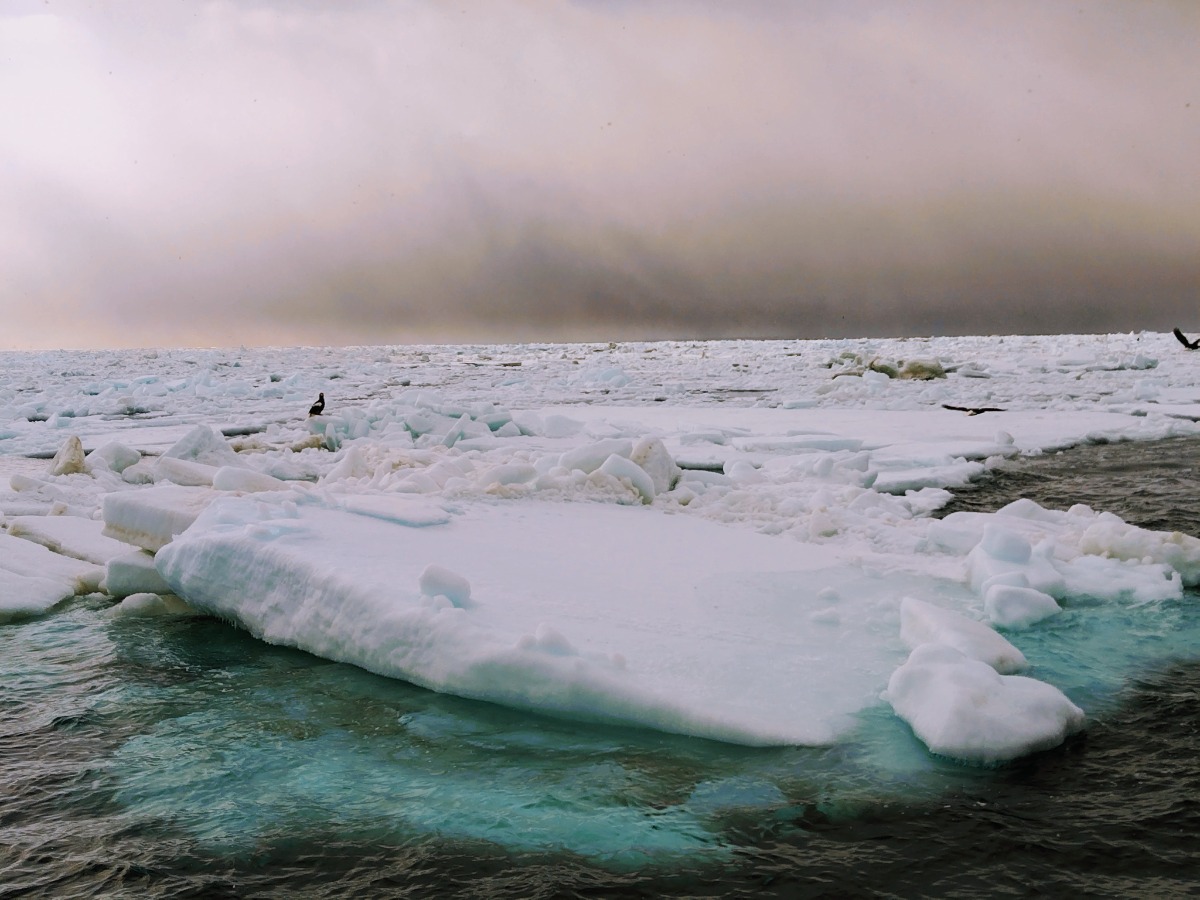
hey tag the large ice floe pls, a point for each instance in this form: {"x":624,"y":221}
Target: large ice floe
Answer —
{"x":594,"y":611}
{"x":727,"y":540}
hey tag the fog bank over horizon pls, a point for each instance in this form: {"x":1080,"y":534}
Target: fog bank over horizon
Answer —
{"x":390,"y":171}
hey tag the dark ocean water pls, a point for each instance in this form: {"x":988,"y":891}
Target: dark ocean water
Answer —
{"x":181,"y":758}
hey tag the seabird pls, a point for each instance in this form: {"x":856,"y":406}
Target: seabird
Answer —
{"x":1191,"y":345}
{"x":972,"y":410}
{"x":317,"y":408}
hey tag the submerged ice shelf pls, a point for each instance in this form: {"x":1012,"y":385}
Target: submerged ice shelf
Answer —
{"x":577,"y":544}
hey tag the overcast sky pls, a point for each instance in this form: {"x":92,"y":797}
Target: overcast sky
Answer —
{"x":175,"y":172}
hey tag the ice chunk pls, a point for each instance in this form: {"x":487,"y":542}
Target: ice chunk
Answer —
{"x":958,"y":532}
{"x":236,"y":478}
{"x":70,"y":459}
{"x":922,"y":623}
{"x":465,"y":430}
{"x":113,"y":456}
{"x":953,"y":473}
{"x":204,"y":444}
{"x":590,"y":457}
{"x":1037,"y":566}
{"x":425,"y":421}
{"x":1015,"y":606}
{"x":1006,"y":546}
{"x":964,"y":709}
{"x":553,"y":426}
{"x":352,"y":464}
{"x":654,"y":459}
{"x":508,"y":473}
{"x":1103,"y":578}
{"x":25,"y":558}
{"x":140,"y":472}
{"x":151,"y":517}
{"x":71,"y":536}
{"x":133,"y":573}
{"x":145,"y":605}
{"x":1109,"y":536}
{"x":1024,"y":508}
{"x":743,"y":472}
{"x":22,"y":596}
{"x":185,"y":472}
{"x":626,"y":470}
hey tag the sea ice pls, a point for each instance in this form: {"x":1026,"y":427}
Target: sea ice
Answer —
{"x":630,"y":474}
{"x":591,"y":611}
{"x":149,"y":518}
{"x":1017,"y":605}
{"x":114,"y":456}
{"x":133,"y":573}
{"x":30,"y":560}
{"x":923,"y":623}
{"x":30,"y":595}
{"x":206,"y":446}
{"x":70,"y":459}
{"x":964,"y":709}
{"x":147,"y":605}
{"x":183,"y":471}
{"x":236,"y":478}
{"x":714,"y":538}
{"x":71,"y":536}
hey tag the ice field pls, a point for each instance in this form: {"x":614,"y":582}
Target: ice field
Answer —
{"x":723,"y":540}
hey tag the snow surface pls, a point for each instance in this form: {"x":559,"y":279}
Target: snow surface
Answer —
{"x":724,"y":539}
{"x":72,"y":536}
{"x":594,"y":611}
{"x":34,"y":579}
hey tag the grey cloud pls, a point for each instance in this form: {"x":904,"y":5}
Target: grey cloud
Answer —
{"x":272,"y":173}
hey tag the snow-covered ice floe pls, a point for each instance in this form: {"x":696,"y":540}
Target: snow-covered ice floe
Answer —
{"x":598,"y":612}
{"x":34,"y":579}
{"x":730,"y":540}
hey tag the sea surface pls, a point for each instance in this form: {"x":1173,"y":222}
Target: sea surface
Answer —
{"x":182,"y":758}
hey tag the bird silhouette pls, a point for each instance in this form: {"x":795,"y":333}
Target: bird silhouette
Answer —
{"x":1191,"y":345}
{"x":972,"y":410}
{"x":317,"y":408}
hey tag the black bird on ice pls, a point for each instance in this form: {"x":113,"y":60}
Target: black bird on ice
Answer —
{"x":317,"y":408}
{"x":1191,"y":345}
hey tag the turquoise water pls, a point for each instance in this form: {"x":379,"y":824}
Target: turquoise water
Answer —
{"x":229,"y":744}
